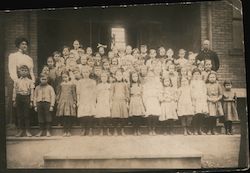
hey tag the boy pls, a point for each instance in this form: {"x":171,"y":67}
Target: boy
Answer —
{"x":44,"y":100}
{"x":22,"y":100}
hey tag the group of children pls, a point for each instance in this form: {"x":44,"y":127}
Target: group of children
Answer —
{"x":126,"y":84}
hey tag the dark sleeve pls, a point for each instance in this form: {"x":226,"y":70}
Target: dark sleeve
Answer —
{"x":216,"y":62}
{"x":199,"y":57}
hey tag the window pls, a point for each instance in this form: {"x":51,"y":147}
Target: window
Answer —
{"x":118,"y":37}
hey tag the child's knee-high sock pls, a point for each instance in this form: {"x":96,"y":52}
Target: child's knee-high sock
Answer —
{"x":230,"y":127}
{"x":226,"y":127}
{"x":48,"y":126}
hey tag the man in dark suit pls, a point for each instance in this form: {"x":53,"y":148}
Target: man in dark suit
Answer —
{"x":207,"y":53}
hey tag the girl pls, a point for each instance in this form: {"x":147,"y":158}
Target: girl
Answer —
{"x":57,"y":57}
{"x":52,"y":72}
{"x":172,"y":74}
{"x":153,"y":61}
{"x":162,"y":54}
{"x":214,"y":96}
{"x":76,"y":46}
{"x":84,"y":63}
{"x":136,"y":106}
{"x":89,"y":51}
{"x":120,"y":98}
{"x":151,"y":93}
{"x":181,"y":61}
{"x":199,"y":100}
{"x":229,"y":107}
{"x":86,"y":99}
{"x":207,"y":69}
{"x":183,"y":74}
{"x":168,"y":104}
{"x":103,"y":103}
{"x":185,"y":108}
{"x":66,"y":102}
{"x":65,"y":53}
{"x":170,"y":56}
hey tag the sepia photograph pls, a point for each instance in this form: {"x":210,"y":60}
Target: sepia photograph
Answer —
{"x":147,"y":86}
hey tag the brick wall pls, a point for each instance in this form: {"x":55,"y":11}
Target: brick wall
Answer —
{"x":18,"y":24}
{"x":232,"y":61}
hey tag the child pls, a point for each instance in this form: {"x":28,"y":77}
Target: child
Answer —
{"x":200,"y":66}
{"x":207,"y":68}
{"x":98,"y":59}
{"x":89,"y":51}
{"x":169,"y":54}
{"x":229,"y":107}
{"x":120,"y":98}
{"x":191,"y":64}
{"x":44,"y":101}
{"x":57,"y":57}
{"x":181,"y":61}
{"x":199,"y":100}
{"x":103,"y":103}
{"x":76,"y":46}
{"x":86,"y":102}
{"x":22,"y":100}
{"x":151,"y":93}
{"x":52,"y":72}
{"x":162,"y":54}
{"x":214,"y":94}
{"x":84,"y":63}
{"x":153,"y":61}
{"x":66,"y":103}
{"x":185,"y":108}
{"x":136,"y":106}
{"x":172,"y":74}
{"x":168,"y":104}
{"x":144,"y":54}
{"x":65,"y":53}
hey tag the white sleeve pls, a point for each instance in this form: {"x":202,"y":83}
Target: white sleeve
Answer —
{"x":12,"y":67}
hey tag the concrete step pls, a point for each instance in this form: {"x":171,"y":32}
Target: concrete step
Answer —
{"x":218,"y":151}
{"x":76,"y":130}
{"x":124,"y":155}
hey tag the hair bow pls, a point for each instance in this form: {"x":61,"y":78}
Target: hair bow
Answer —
{"x":101,"y":45}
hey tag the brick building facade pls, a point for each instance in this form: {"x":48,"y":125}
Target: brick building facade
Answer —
{"x":220,"y":22}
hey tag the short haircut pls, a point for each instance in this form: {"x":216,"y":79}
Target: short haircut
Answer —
{"x":227,"y":82}
{"x":24,"y":67}
{"x":43,"y":75}
{"x":19,"y":40}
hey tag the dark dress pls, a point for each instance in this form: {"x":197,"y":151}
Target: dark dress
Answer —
{"x":229,"y":106}
{"x":66,"y":99}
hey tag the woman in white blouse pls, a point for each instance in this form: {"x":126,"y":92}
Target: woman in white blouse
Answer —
{"x":20,"y":58}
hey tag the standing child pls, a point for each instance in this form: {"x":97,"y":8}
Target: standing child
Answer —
{"x":185,"y":108}
{"x":214,"y":93}
{"x":52,"y":72}
{"x":22,"y":100}
{"x":76,"y":47}
{"x":168,"y":99}
{"x":151,"y":93}
{"x":199,"y":100}
{"x":66,"y":103}
{"x":229,"y":107}
{"x":86,"y":102}
{"x":120,"y":99}
{"x":136,"y":106}
{"x":44,"y":100}
{"x":103,"y":103}
{"x":181,"y":61}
